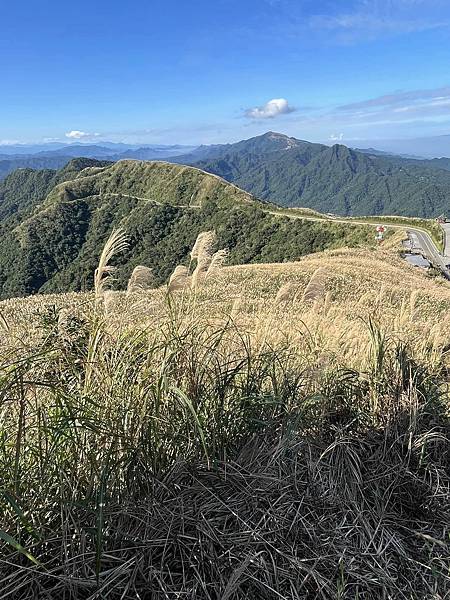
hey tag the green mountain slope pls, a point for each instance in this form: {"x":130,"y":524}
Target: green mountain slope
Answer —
{"x":162,"y":206}
{"x":331,"y":179}
{"x":22,"y":189}
{"x":8,"y":165}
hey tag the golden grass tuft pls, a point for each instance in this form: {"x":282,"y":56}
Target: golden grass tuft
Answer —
{"x":203,"y":245}
{"x":116,"y":243}
{"x":141,"y":279}
{"x":179,"y":280}
{"x":286,"y":292}
{"x":200,"y":271}
{"x":218,"y":261}
{"x":315,"y":290}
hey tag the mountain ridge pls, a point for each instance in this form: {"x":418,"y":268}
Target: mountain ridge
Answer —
{"x":51,"y":241}
{"x":334,"y":179}
{"x":292,"y":172}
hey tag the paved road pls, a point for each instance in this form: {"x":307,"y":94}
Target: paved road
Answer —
{"x":431,"y":252}
{"x":446,"y":228}
{"x":426,"y":243}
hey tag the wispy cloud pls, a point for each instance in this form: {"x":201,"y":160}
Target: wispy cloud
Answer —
{"x":76,"y":134}
{"x":399,"y":112}
{"x":270,"y":110}
{"x":9,"y":142}
{"x":431,"y":103}
{"x":398,"y":98}
{"x":370,"y":19}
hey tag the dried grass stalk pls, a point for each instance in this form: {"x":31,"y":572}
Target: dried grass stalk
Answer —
{"x":141,"y":279}
{"x":316,"y":286}
{"x":235,"y":309}
{"x":179,"y":278}
{"x":328,"y":302}
{"x":200,"y":271}
{"x":413,"y":303}
{"x":117,"y":242}
{"x":203,"y":245}
{"x":286,"y":292}
{"x":218,"y":260}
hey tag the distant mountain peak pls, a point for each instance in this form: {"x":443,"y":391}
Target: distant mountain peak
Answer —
{"x":275,"y":134}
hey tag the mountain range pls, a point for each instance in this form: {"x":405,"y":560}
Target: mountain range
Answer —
{"x":291,"y":172}
{"x":332,"y":179}
{"x":56,"y":155}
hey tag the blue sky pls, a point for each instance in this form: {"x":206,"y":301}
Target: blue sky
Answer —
{"x":206,"y":71}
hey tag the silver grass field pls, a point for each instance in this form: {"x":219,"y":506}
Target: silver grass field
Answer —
{"x":249,"y":432}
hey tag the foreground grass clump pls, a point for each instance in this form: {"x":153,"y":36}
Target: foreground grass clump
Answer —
{"x":218,"y":442}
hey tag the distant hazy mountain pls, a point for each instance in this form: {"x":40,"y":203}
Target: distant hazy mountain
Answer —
{"x":375,"y":152}
{"x":426,"y":147}
{"x":83,"y":149}
{"x":333,"y":179}
{"x":8,"y":165}
{"x":55,"y":156}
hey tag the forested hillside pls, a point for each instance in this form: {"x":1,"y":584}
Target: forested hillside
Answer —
{"x":51,"y":233}
{"x":332,"y":179}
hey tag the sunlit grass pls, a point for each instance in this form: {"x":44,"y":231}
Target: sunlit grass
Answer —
{"x":228,"y":441}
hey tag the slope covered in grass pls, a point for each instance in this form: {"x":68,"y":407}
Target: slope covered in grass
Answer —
{"x":229,"y":440}
{"x":52,"y":243}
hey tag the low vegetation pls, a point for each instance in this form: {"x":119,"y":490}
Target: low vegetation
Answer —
{"x":52,"y":243}
{"x":430,"y":226}
{"x":228,"y":440}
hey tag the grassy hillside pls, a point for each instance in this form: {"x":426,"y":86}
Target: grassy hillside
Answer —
{"x":23,"y":189}
{"x":279,"y":430}
{"x":162,"y":207}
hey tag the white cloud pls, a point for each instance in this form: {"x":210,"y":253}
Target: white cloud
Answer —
{"x":9,"y":142}
{"x":75,"y":134}
{"x":334,"y":137}
{"x":270,"y":110}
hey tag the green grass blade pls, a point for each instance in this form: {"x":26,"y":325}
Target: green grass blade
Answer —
{"x":188,"y":404}
{"x":15,"y":544}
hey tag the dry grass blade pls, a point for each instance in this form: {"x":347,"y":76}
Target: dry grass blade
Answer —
{"x":315,"y":290}
{"x":203,"y":245}
{"x":117,"y":242}
{"x":413,"y":303}
{"x":218,"y":260}
{"x":286,"y":292}
{"x":179,"y":279}
{"x":141,"y":279}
